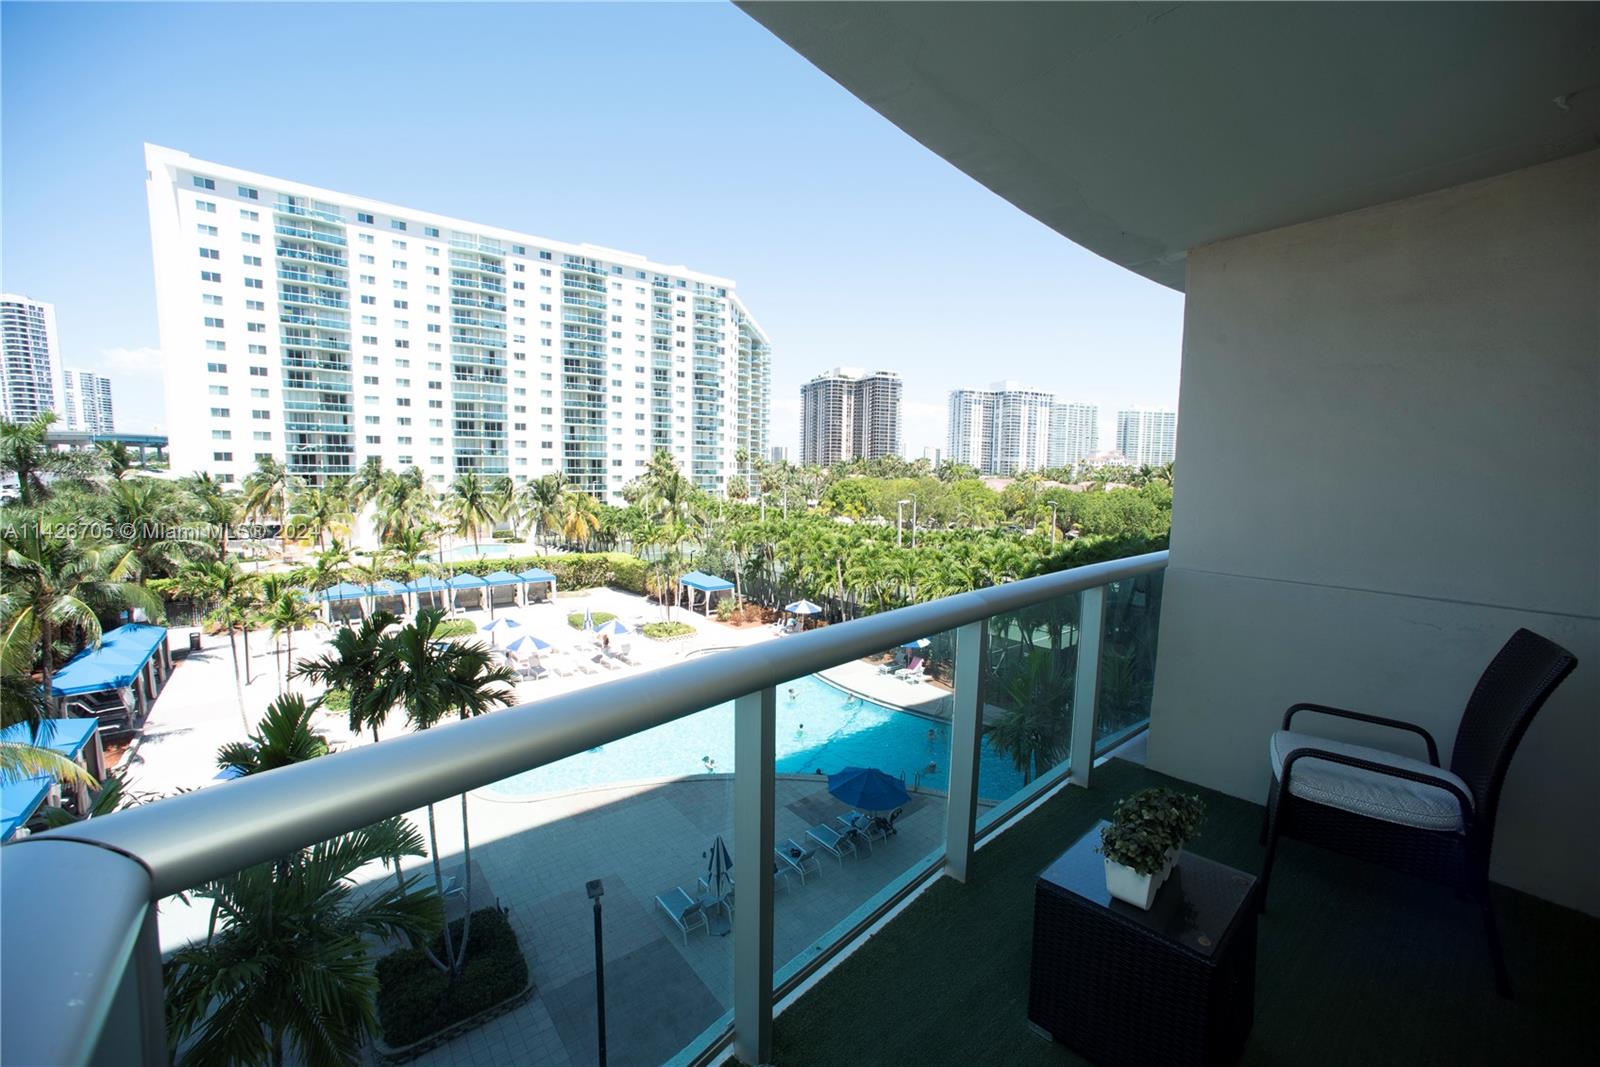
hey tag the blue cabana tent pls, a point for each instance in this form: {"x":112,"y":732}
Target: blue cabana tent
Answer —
{"x":343,"y":591}
{"x":535,"y":576}
{"x":433,"y":587}
{"x":697,"y":581}
{"x":385,"y":587}
{"x":19,"y":800}
{"x":502,"y":578}
{"x":122,"y":656}
{"x":465,"y":581}
{"x":73,"y":738}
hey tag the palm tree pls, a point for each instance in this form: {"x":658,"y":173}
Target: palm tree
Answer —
{"x":267,"y":492}
{"x":435,"y":680}
{"x":284,"y":971}
{"x":226,"y":586}
{"x":143,"y":511}
{"x":116,"y":457}
{"x":472,"y":505}
{"x":539,"y":503}
{"x":25,"y":453}
{"x":287,"y":610}
{"x":48,"y":583}
{"x":320,"y":511}
{"x":22,"y":700}
{"x":326,"y":567}
{"x":283,"y":736}
{"x":580,"y":518}
{"x":1034,"y":731}
{"x":358,"y":664}
{"x":211,"y":504}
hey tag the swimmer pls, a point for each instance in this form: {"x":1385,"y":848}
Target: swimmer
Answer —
{"x":793,"y":693}
{"x":933,"y":735}
{"x":801,"y":732}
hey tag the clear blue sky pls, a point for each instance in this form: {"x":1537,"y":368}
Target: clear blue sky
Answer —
{"x":683,"y":132}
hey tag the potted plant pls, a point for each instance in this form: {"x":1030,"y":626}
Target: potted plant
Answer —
{"x":1142,"y":841}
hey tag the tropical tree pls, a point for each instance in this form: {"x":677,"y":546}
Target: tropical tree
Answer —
{"x":267,"y":492}
{"x":540,"y":504}
{"x":25,"y":453}
{"x":359,"y":662}
{"x":580,"y":518}
{"x":320,"y":511}
{"x":472,"y":505}
{"x":283,"y":736}
{"x":1034,"y":729}
{"x":208,"y":502}
{"x":145,"y":512}
{"x":287,"y":610}
{"x":284,"y":971}
{"x":49,"y":584}
{"x":436,"y":680}
{"x":116,"y":458}
{"x":326,"y":567}
{"x":227,"y":588}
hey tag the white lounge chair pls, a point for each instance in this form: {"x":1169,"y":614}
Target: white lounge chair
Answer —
{"x":797,"y":859}
{"x":836,"y":844}
{"x":914,"y":667}
{"x":684,"y":911}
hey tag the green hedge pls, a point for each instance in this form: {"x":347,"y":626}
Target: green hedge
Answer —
{"x":416,"y":999}
{"x":662,"y":631}
{"x":336,"y":700}
{"x":575,"y":620}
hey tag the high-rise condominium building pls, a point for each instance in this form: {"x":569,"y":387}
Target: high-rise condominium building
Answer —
{"x":779,"y":454}
{"x":847,"y":413}
{"x":324,"y":328}
{"x":30,"y":370}
{"x":1147,"y":437}
{"x":1002,"y":429}
{"x":1074,"y":433}
{"x":87,"y":401}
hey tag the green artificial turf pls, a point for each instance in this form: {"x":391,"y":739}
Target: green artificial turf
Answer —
{"x":1356,"y":964}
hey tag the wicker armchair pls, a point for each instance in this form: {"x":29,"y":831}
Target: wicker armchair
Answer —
{"x":1408,"y":814}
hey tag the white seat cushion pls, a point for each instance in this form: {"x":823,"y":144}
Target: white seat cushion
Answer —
{"x":1378,"y":796}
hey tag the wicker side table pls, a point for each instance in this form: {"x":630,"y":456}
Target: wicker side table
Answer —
{"x":1174,"y":985}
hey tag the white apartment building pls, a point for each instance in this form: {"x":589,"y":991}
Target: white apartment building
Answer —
{"x":1147,"y":438}
{"x":847,"y":413}
{"x":1002,"y":429}
{"x":30,"y":363}
{"x":86,"y":400}
{"x":324,"y":328}
{"x":1074,"y":433}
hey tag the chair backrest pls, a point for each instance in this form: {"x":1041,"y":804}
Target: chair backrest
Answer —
{"x":1511,"y":691}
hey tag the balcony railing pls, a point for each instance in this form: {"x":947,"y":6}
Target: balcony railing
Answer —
{"x":1074,"y":650}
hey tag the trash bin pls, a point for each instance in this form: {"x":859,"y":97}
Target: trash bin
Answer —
{"x":194,"y":640}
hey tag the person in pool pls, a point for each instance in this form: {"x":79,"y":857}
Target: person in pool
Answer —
{"x":793,"y":693}
{"x":801,"y":731}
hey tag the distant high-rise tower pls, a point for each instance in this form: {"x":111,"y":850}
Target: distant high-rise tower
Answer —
{"x":1000,"y":430}
{"x":30,"y":365}
{"x":1147,"y":437}
{"x":849,"y":414}
{"x":1074,"y":433}
{"x":779,"y":454}
{"x":87,"y":400}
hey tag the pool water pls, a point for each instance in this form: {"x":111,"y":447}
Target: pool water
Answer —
{"x":819,"y":726}
{"x":486,"y":550}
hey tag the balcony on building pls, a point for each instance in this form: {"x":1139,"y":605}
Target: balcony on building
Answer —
{"x":1384,"y":221}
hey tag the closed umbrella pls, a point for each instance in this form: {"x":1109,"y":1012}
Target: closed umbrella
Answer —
{"x":719,"y":879}
{"x":867,"y":789}
{"x":588,"y":619}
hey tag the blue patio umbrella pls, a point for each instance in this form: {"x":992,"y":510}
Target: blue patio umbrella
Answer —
{"x":921,"y":642}
{"x":867,"y":789}
{"x":528,"y":641}
{"x":616,"y":628}
{"x":804,"y":607}
{"x":499,"y":624}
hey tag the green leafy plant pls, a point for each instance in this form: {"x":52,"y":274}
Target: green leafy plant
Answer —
{"x":455,"y":628}
{"x":600,"y":618}
{"x":1146,"y":825}
{"x":416,"y":999}
{"x":665,"y":631}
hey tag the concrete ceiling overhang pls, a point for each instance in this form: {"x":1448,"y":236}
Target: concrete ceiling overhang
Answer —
{"x":1141,"y":130}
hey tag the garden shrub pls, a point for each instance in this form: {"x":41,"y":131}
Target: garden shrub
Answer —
{"x":455,"y":628}
{"x":336,"y":700}
{"x":662,"y":631}
{"x":575,"y":620}
{"x":416,"y":999}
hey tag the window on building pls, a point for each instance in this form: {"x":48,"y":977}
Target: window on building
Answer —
{"x":249,"y":193}
{"x":204,"y":183}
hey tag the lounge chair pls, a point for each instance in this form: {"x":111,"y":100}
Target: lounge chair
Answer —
{"x":891,"y":667}
{"x":914,"y":667}
{"x":870,"y":827}
{"x":684,"y":911}
{"x":918,"y":675}
{"x":836,"y":844}
{"x":796,"y":859}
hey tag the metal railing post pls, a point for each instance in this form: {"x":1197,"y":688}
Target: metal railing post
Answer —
{"x":754,"y":753}
{"x":966,"y":732}
{"x":1086,"y":690}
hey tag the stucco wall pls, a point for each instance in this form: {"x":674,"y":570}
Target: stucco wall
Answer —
{"x":1389,"y":460}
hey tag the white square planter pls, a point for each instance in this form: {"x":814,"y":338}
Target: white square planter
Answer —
{"x":1127,"y":884}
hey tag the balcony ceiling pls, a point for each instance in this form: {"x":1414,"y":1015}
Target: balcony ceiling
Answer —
{"x":1143,"y":130}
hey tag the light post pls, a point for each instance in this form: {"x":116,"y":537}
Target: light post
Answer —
{"x":899,"y":525}
{"x":596,"y":891}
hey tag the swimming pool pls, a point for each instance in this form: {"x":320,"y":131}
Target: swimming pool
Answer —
{"x":819,"y":727}
{"x":487,"y":550}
